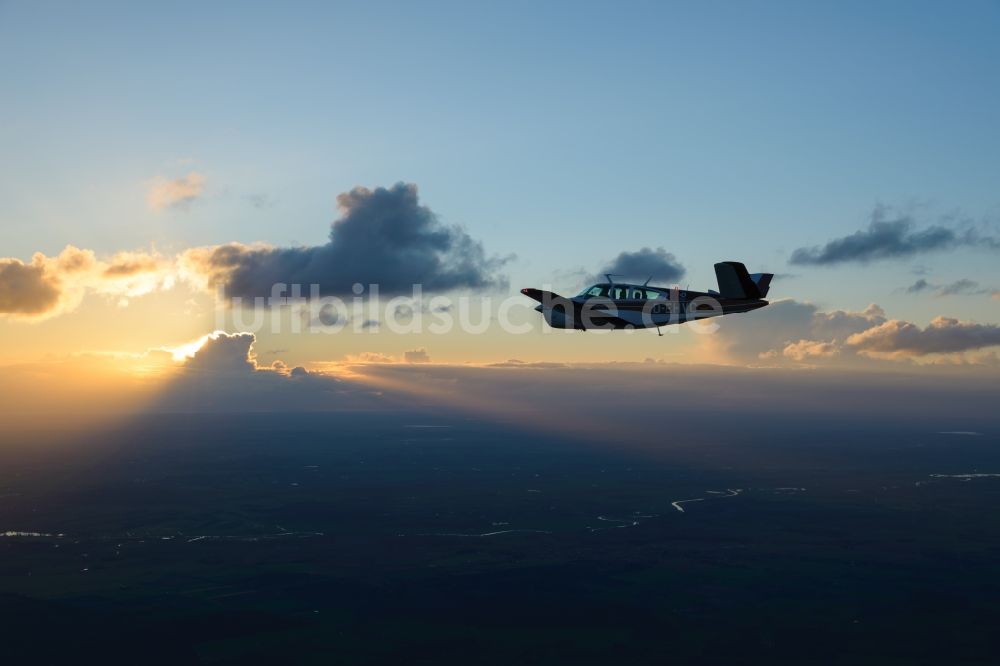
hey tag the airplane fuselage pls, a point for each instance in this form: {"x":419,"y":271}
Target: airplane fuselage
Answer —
{"x":615,"y":305}
{"x":642,"y":307}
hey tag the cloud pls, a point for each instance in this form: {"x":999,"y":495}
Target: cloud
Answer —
{"x":370,"y":357}
{"x":28,"y":289}
{"x":384,"y":236}
{"x":839,"y":324}
{"x":804,"y":350}
{"x":690,"y":397}
{"x":53,"y":285}
{"x":963,"y":287}
{"x":944,"y":335}
{"x":178,"y":193}
{"x":890,"y":239}
{"x":788,"y":329}
{"x":796,"y":332}
{"x":127,"y":264}
{"x":658,"y":264}
{"x":416,"y":356}
{"x":534,"y":365}
{"x":228,"y":353}
{"x":220,"y":372}
{"x":411,"y":356}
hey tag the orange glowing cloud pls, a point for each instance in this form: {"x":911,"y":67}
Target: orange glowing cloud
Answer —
{"x":48,"y":286}
{"x":176,"y":193}
{"x":944,"y":335}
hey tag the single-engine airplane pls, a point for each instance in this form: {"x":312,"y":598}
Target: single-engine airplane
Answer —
{"x":616,"y":305}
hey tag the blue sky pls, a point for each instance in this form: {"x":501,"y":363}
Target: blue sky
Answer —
{"x":562,"y":132}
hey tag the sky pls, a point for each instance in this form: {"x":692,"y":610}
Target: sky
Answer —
{"x":152,"y":154}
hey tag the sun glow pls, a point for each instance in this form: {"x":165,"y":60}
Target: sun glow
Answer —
{"x":189,"y":349}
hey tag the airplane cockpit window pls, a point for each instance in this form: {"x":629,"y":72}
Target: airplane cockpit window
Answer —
{"x":650,"y":294}
{"x":596,"y":290}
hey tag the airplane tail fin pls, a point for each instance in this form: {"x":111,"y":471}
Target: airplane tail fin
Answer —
{"x":763,"y":282}
{"x":736,"y":282}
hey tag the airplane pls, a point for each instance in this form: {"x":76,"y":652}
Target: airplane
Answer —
{"x":616,"y":305}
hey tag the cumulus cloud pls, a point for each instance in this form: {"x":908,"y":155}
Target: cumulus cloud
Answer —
{"x":805,"y":331}
{"x":417,"y":356}
{"x":839,"y":324}
{"x":384,"y":236}
{"x":52,"y":285}
{"x":890,"y":237}
{"x":224,"y":353}
{"x":804,"y":350}
{"x":794,"y":332}
{"x":177,"y":193}
{"x":659,"y":265}
{"x":944,"y":335}
{"x":963,"y":287}
{"x":220,"y":372}
{"x":28,"y":289}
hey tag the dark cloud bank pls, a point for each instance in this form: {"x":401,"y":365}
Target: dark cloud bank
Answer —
{"x":891,"y":239}
{"x":383,"y":237}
